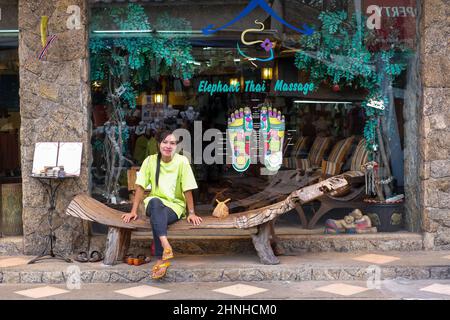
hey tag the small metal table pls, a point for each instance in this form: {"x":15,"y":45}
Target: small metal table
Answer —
{"x":51,"y":185}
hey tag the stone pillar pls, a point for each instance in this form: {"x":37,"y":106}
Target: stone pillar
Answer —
{"x":54,"y":106}
{"x":435,"y":132}
{"x":412,"y":116}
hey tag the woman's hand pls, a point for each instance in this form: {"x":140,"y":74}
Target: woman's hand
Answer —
{"x":129,"y":217}
{"x":194,"y":219}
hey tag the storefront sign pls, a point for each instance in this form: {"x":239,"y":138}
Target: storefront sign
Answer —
{"x":267,"y":45}
{"x":252,"y":6}
{"x":252,"y":86}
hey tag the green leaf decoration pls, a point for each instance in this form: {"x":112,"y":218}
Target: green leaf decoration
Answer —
{"x":340,"y":53}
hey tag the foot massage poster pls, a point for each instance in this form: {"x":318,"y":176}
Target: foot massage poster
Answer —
{"x":271,"y":124}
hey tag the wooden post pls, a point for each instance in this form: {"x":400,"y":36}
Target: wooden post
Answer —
{"x":302,"y":216}
{"x":117,"y":244}
{"x":261,"y":241}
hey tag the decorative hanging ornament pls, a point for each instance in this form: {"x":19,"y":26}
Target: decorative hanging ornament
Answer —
{"x":186,"y":82}
{"x":336,"y":88}
{"x":371,"y":174}
{"x":377,"y":104}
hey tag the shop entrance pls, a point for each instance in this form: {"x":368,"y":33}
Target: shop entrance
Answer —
{"x":163,"y":77}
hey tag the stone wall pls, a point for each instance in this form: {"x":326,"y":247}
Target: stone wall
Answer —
{"x":435,"y":124}
{"x":54,"y":103}
{"x":412,"y":118}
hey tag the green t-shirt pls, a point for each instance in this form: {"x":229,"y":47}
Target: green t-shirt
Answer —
{"x":175,"y":177}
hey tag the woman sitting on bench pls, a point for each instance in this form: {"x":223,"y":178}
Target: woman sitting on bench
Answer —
{"x":171,"y":179}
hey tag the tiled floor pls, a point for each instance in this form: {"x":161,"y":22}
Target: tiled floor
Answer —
{"x":438,"y":288}
{"x":376,"y":258}
{"x":41,"y":292}
{"x":342,"y":289}
{"x":141,"y":291}
{"x":13,"y":262}
{"x":240,"y":290}
{"x":16,"y":269}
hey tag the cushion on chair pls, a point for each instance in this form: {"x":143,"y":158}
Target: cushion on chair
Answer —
{"x":303,"y":164}
{"x":331,"y":168}
{"x":299,"y":146}
{"x":340,"y":150}
{"x":360,"y":156}
{"x":290,"y":163}
{"x":318,"y":149}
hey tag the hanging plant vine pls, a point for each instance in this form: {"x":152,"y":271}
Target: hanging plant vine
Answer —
{"x":123,"y":63}
{"x":343,"y":53}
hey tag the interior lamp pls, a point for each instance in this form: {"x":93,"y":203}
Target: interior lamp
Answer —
{"x":234,"y":81}
{"x":267,"y":73}
{"x":158,"y":98}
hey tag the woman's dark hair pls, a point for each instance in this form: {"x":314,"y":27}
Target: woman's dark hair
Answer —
{"x":161,"y":138}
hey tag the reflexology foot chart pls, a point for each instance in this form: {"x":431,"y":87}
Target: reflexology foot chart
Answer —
{"x":240,"y":126}
{"x":272,"y":127}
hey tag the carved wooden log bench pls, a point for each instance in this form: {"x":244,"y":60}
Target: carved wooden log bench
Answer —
{"x":257,"y":221}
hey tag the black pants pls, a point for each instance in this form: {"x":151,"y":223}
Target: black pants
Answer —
{"x":160,"y":217}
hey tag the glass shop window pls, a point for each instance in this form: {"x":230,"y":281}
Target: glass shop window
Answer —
{"x":9,"y":93}
{"x":289,"y":82}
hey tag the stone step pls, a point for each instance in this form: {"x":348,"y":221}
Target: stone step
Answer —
{"x":323,"y":266}
{"x":240,"y":242}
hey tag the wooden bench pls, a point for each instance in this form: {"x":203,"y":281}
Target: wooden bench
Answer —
{"x":257,"y":221}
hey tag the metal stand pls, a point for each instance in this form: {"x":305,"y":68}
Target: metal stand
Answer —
{"x":51,"y":185}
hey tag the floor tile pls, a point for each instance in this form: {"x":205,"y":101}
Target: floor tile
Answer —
{"x":376,"y":258}
{"x":438,"y":288}
{"x":141,"y":291}
{"x":240,"y":290}
{"x":11,"y":262}
{"x":41,"y":292}
{"x":342,"y":289}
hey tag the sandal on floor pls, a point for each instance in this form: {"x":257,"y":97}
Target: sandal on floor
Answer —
{"x":126,"y":257}
{"x":167,"y":254}
{"x":159,"y":270}
{"x":96,"y":256}
{"x":82,"y":257}
{"x":130,"y":260}
{"x":141,"y":259}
